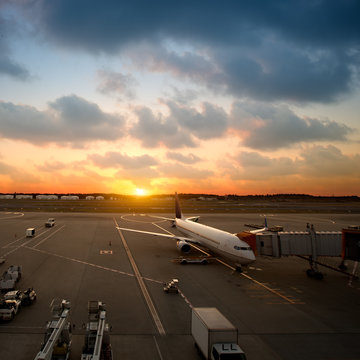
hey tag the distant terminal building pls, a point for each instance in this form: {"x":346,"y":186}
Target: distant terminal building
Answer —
{"x":47,"y":197}
{"x":22,"y":197}
{"x":100,"y":198}
{"x":69,"y":197}
{"x":7,"y":196}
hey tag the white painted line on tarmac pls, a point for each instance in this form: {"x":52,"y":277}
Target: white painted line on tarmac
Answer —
{"x":53,"y":233}
{"x":158,"y":348}
{"x":141,"y":283}
{"x":80,"y":261}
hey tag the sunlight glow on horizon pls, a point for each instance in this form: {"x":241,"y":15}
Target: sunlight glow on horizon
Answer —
{"x":140,"y":192}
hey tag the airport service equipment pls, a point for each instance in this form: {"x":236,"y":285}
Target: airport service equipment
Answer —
{"x":9,"y":308}
{"x":57,"y":339}
{"x":50,"y":222}
{"x":30,"y":232}
{"x":26,"y":298}
{"x":97,"y":340}
{"x":171,"y":286}
{"x":10,"y":277}
{"x":214,"y":335}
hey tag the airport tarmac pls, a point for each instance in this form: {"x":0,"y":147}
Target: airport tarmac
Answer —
{"x":280,"y":313}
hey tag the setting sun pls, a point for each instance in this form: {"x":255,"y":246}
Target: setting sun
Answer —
{"x":140,"y":192}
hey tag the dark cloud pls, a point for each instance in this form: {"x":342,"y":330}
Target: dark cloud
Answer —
{"x":155,"y":131}
{"x":69,"y":120}
{"x":115,"y":159}
{"x":284,"y":49}
{"x":8,"y":65}
{"x":211,"y":122}
{"x":114,"y":83}
{"x":181,"y":127}
{"x":265,"y":126}
{"x":10,"y":68}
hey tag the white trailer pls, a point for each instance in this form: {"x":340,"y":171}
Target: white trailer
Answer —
{"x":30,"y":232}
{"x":214,"y":335}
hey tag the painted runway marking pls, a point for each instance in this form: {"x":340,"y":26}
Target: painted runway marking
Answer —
{"x":125,"y":217}
{"x":14,"y":215}
{"x":84,"y":262}
{"x":141,"y":283}
{"x":53,"y":233}
{"x":158,"y":348}
{"x":106,"y":252}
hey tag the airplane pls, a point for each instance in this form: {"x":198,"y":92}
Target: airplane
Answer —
{"x":219,"y":242}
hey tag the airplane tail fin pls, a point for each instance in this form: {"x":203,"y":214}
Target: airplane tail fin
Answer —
{"x":178,"y":213}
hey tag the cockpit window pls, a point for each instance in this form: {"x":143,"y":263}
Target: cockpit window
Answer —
{"x":242,"y":247}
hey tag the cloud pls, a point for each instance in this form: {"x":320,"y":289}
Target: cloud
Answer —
{"x":321,"y":162}
{"x":211,"y":122}
{"x":69,"y":120}
{"x":183,"y":172}
{"x":9,"y":66}
{"x":155,"y":131}
{"x":302,"y":51}
{"x":329,"y":161}
{"x":189,"y":159}
{"x":115,"y":159}
{"x":17,"y":175}
{"x":181,"y":127}
{"x":265,"y":126}
{"x":114,"y":83}
{"x":255,"y":166}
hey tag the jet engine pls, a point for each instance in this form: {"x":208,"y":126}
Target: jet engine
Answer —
{"x":183,"y":246}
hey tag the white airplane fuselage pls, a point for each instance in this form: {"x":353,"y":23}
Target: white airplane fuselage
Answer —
{"x":218,"y":241}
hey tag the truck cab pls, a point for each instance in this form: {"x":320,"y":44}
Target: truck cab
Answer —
{"x":50,"y":222}
{"x":9,"y":308}
{"x":227,"y":352}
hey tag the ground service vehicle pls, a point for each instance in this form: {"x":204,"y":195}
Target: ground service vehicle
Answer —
{"x":10,"y":277}
{"x":30,"y":232}
{"x":214,"y":335}
{"x":9,"y":308}
{"x":26,"y":298}
{"x":57,"y":339}
{"x":50,"y":222}
{"x":97,"y":340}
{"x":29,"y":296}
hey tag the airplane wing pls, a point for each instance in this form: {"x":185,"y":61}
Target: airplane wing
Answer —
{"x":180,"y":238}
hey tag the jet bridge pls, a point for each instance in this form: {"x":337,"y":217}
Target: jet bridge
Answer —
{"x":57,"y":339}
{"x":309,"y":243}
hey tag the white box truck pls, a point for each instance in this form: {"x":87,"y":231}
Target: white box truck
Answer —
{"x":214,"y":335}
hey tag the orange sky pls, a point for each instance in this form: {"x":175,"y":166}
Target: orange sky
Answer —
{"x":264,"y":106}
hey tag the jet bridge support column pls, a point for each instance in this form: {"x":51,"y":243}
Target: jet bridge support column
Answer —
{"x":313,"y":271}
